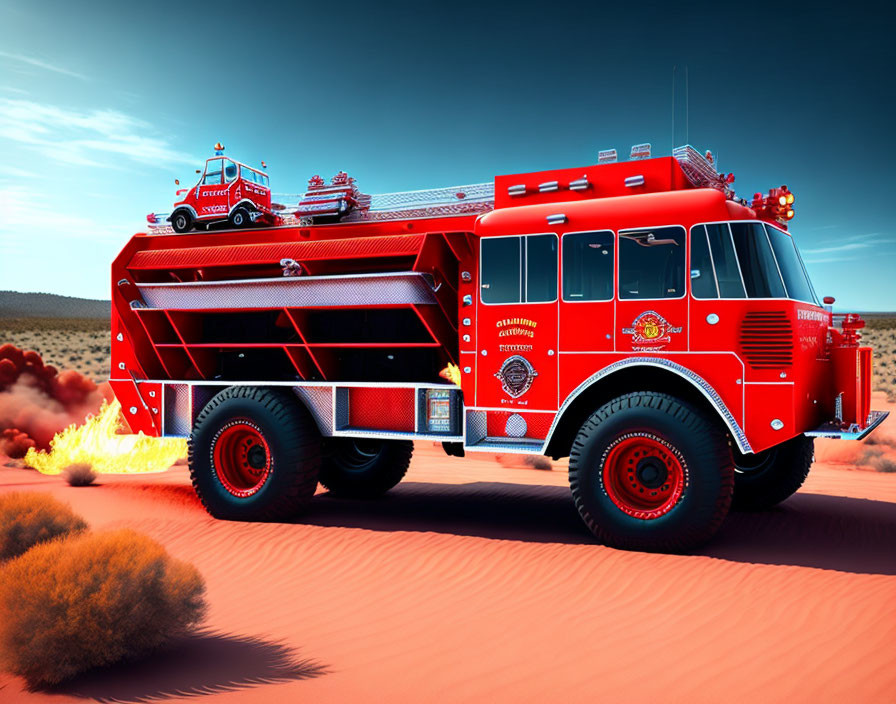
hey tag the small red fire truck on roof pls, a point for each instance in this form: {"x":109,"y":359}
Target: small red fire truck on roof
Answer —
{"x":227,"y":192}
{"x":635,"y":316}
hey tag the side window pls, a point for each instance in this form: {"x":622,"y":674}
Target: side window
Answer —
{"x":651,"y":263}
{"x":212,"y":173}
{"x":499,"y":280}
{"x":540,"y":285}
{"x":588,"y":266}
{"x":519,"y":269}
{"x":229,"y":171}
{"x":795,"y":280}
{"x":757,"y":263}
{"x":703,"y":277}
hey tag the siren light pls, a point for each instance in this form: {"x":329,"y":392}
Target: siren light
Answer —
{"x":219,"y":149}
{"x":777,"y":205}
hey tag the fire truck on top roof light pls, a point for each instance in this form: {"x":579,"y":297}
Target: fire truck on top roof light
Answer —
{"x":635,"y":316}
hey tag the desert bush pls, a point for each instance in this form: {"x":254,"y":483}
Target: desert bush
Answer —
{"x":90,"y":600}
{"x":79,"y":474}
{"x":29,"y":518}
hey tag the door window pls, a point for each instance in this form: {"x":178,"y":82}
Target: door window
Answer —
{"x":229,"y":171}
{"x":651,"y":263}
{"x":212,"y":173}
{"x":588,"y":266}
{"x":518,"y":269}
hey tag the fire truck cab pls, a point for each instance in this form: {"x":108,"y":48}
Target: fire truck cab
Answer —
{"x":634,"y":316}
{"x":227,"y":191}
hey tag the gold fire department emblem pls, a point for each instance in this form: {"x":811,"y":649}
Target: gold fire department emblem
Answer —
{"x":650,"y":331}
{"x":516,"y":375}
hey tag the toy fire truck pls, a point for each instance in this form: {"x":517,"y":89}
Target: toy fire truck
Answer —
{"x":227,"y":192}
{"x":634,"y":315}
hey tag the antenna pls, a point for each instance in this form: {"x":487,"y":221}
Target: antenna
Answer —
{"x":680,"y":111}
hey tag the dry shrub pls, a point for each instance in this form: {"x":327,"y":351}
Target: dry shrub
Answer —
{"x":84,"y":601}
{"x":79,"y":474}
{"x":28,"y":518}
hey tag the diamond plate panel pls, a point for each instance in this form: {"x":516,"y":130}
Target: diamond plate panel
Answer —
{"x":403,"y":288}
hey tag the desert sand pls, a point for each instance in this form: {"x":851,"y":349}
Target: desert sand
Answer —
{"x":476,"y":581}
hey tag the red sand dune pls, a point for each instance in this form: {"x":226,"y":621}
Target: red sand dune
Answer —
{"x":473,"y":581}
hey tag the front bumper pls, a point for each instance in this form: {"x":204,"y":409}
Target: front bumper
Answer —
{"x":832,"y":430}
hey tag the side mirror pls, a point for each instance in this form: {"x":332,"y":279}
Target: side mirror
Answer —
{"x":829,"y":300}
{"x":198,"y":171}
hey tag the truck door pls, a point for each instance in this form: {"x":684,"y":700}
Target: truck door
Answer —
{"x":587,"y":283}
{"x":516,"y":360}
{"x":652,"y":308}
{"x":234,"y":187}
{"x":211,"y":197}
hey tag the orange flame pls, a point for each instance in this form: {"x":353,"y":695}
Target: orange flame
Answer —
{"x":98,"y":443}
{"x":451,"y":373}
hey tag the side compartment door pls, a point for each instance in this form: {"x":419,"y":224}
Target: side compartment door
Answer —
{"x":516,"y":360}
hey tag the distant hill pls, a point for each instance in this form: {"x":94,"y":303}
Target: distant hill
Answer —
{"x":48,"y":305}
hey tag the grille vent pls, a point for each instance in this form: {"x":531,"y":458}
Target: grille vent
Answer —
{"x":766,"y":339}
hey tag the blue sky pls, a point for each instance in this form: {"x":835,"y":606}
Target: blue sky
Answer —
{"x":104,"y":104}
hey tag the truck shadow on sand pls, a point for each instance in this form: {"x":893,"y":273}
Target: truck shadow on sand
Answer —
{"x":808,"y":530}
{"x":206,"y":663}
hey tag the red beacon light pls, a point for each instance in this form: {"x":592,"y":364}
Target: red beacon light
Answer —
{"x":777,"y":205}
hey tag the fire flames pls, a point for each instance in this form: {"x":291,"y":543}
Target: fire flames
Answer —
{"x":98,"y":443}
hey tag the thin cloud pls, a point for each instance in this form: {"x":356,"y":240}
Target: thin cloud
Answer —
{"x":43,"y":64}
{"x":838,"y":248}
{"x":830,"y":260}
{"x":85,"y":138}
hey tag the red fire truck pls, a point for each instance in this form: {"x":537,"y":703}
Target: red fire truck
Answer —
{"x":227,"y":192}
{"x":635,"y":316}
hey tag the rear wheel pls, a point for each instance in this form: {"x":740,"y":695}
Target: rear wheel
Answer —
{"x":767,"y":478}
{"x":240,"y":218}
{"x":650,"y":472}
{"x":365,"y":468}
{"x":254,"y":455}
{"x":181,"y":221}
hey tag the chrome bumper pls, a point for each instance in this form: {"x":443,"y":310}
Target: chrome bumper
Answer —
{"x":831,"y":430}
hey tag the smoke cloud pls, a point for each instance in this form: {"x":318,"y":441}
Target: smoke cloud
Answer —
{"x":37,"y":401}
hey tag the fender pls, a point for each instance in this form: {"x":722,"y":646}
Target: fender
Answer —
{"x":696,"y":381}
{"x":244,"y":201}
{"x":184,"y":206}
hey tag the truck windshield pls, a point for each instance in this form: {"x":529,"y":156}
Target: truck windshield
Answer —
{"x":747,"y":259}
{"x":796,"y":281}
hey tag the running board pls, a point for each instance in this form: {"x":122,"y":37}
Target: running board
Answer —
{"x":832,"y":430}
{"x":522,"y":446}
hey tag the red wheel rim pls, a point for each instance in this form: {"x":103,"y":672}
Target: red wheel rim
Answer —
{"x":643,"y":475}
{"x":241,"y":458}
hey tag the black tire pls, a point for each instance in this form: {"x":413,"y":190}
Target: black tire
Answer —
{"x":684,"y":443}
{"x":767,"y":478}
{"x":362,"y":468}
{"x":240,"y":219}
{"x":290,"y":462}
{"x":181,"y":221}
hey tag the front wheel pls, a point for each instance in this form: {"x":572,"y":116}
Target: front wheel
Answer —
{"x":650,"y":472}
{"x":181,"y":221}
{"x":767,"y":478}
{"x":240,"y":218}
{"x":364,"y":468}
{"x":254,"y":455}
